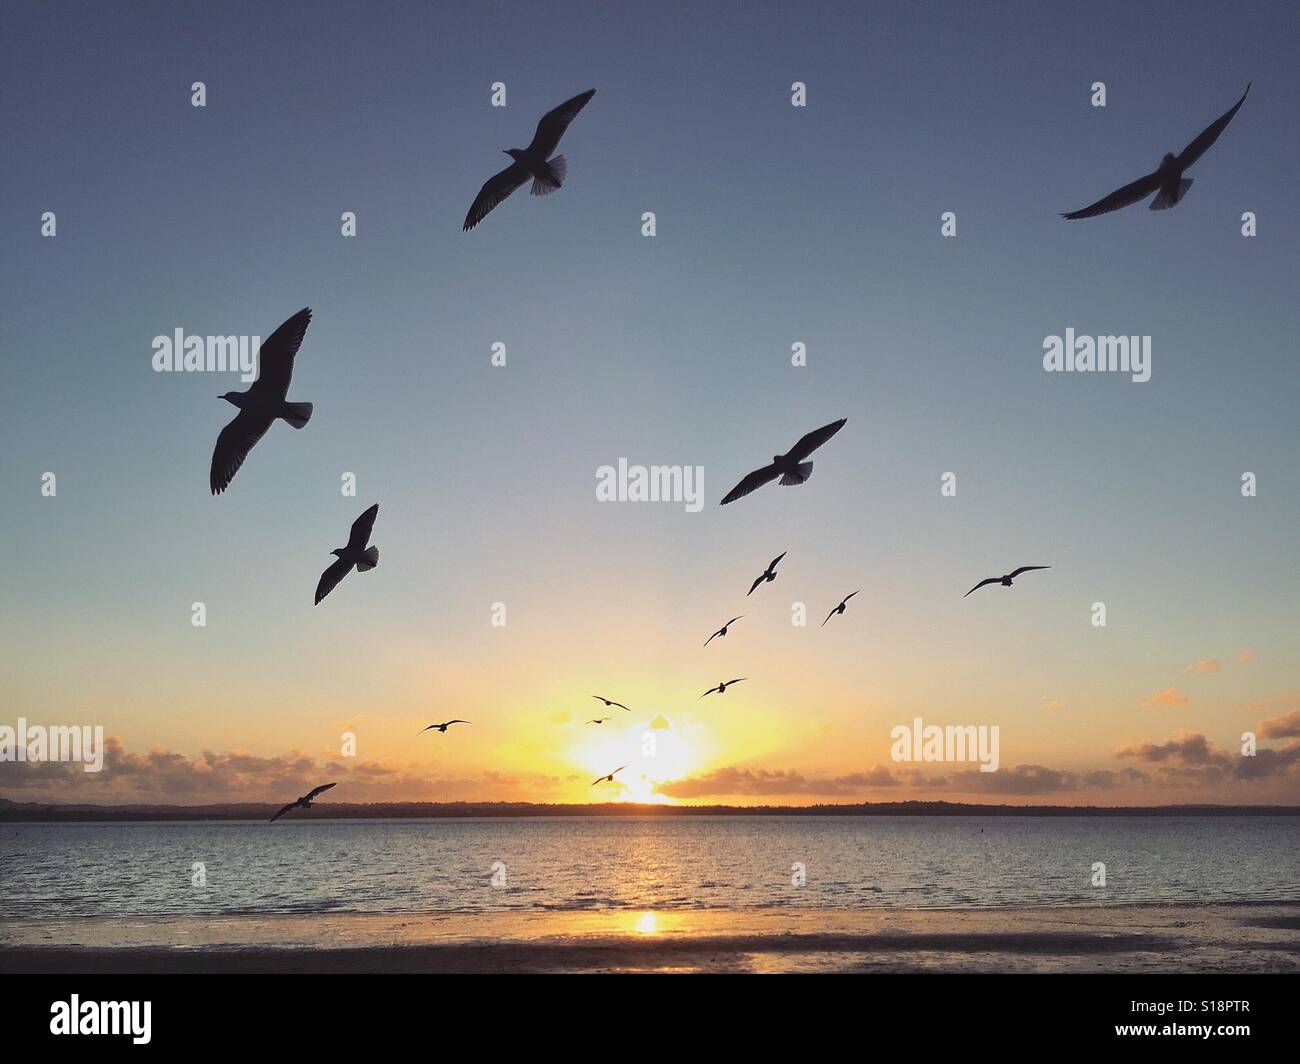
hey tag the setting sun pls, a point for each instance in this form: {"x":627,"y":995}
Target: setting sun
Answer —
{"x":653,"y":751}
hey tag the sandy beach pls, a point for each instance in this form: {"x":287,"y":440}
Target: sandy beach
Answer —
{"x":1241,"y":938}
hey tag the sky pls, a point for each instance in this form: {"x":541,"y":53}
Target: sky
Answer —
{"x":774,"y":225}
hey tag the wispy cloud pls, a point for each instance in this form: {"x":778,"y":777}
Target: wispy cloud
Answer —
{"x":1187,"y":748}
{"x":234,"y":776}
{"x":1289,"y":700}
{"x":1023,"y":780}
{"x":1170,"y":696}
{"x":758,"y":782}
{"x":1285,"y":727}
{"x":1028,"y":780}
{"x":1191,"y":760}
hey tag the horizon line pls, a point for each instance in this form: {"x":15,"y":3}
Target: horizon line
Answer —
{"x":12,"y":811}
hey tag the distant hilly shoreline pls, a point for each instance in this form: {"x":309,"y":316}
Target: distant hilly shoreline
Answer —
{"x":13,"y":812}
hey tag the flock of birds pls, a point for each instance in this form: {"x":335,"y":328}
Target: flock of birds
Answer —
{"x":266,"y":399}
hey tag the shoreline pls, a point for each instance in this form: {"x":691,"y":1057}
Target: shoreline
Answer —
{"x":1237,"y":937}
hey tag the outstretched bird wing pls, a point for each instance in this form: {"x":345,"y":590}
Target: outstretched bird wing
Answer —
{"x":990,"y":580}
{"x":815,"y":439}
{"x":275,"y":358}
{"x":553,"y":124}
{"x":330,"y":578}
{"x":361,"y":528}
{"x":457,"y":721}
{"x":752,"y":482}
{"x":1026,"y":569}
{"x":1121,"y":197}
{"x":494,"y":190}
{"x":233,"y":445}
{"x":727,"y":625}
{"x":761,"y":578}
{"x":776,"y":561}
{"x":1210,"y":134}
{"x":708,"y":692}
{"x":843,"y":603}
{"x":291,"y":805}
{"x":319,"y":790}
{"x":737,"y":680}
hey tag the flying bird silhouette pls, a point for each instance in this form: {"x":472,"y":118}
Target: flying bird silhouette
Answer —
{"x":608,"y":703}
{"x":262,"y":403}
{"x":723,"y":630}
{"x":532,"y":161}
{"x":608,"y":778}
{"x":601,"y":721}
{"x":790,"y":467}
{"x":840,"y":608}
{"x":722,"y":687}
{"x":1167,"y":178}
{"x":444,"y":726}
{"x":304,"y":802}
{"x":768,"y":574}
{"x":1005,"y":581}
{"x":355,"y":553}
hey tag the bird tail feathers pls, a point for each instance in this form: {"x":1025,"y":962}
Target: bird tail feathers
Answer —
{"x":803,"y":472}
{"x":1164,"y":201}
{"x":368,"y":560}
{"x":558,"y":168}
{"x":297,"y":414}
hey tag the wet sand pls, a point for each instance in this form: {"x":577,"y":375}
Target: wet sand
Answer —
{"x":1242,"y":938}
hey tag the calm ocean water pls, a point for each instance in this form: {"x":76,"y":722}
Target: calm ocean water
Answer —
{"x":398,"y":866}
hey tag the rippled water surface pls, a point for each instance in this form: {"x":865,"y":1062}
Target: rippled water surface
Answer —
{"x":639,"y":862}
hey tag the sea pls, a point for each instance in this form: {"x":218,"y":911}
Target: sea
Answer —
{"x":639,"y":862}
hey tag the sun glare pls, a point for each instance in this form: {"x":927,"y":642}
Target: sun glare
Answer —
{"x":654,"y":752}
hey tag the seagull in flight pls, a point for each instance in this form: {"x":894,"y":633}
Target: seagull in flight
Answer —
{"x":769,"y":574}
{"x":304,"y":802}
{"x":790,"y":467}
{"x":532,"y":161}
{"x":722,"y":687}
{"x":609,"y":778}
{"x":608,"y":703}
{"x":262,"y":403}
{"x":355,"y":553}
{"x":600,"y":721}
{"x":839,"y":609}
{"x":444,"y":726}
{"x":1167,"y":178}
{"x":723,"y":630}
{"x":1005,"y":581}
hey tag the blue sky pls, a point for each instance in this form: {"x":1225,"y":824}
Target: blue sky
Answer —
{"x":775,"y":224}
